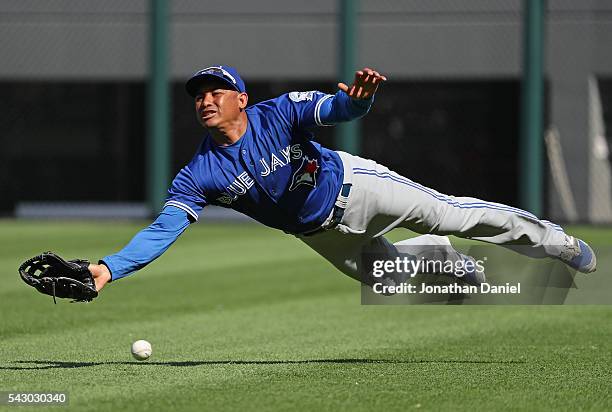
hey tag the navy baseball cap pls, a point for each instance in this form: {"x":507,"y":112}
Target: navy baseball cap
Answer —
{"x":226,"y":74}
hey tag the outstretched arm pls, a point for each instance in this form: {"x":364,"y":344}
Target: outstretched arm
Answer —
{"x":306,"y":110}
{"x":351,"y":102}
{"x":145,"y":247}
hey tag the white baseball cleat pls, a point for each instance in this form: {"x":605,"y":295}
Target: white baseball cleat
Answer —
{"x":579,"y":256}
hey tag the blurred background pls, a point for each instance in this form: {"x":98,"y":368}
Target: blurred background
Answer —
{"x":505,"y":100}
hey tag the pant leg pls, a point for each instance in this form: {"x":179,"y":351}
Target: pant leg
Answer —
{"x":429,"y":247}
{"x":345,"y":251}
{"x":381,"y":195}
{"x":341,"y":250}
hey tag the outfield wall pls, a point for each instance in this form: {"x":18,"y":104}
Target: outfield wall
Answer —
{"x":89,"y":41}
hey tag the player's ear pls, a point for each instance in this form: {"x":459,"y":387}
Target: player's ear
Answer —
{"x":243,"y":99}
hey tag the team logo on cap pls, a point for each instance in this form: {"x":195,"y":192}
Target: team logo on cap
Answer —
{"x":218,"y":71}
{"x":306,"y":174}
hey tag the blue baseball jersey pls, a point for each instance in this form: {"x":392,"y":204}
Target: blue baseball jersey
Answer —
{"x":275,"y":173}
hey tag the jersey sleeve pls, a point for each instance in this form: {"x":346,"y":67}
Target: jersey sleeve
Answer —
{"x":148,"y":244}
{"x":185,"y":193}
{"x":309,"y":109}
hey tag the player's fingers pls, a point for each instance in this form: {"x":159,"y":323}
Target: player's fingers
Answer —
{"x":369,"y":76}
{"x":343,"y":87}
{"x":373,"y":72}
{"x":378,"y":75}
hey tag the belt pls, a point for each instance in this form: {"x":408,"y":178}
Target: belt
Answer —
{"x":337,"y":212}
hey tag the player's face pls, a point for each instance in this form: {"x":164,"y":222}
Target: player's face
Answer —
{"x":216,"y":104}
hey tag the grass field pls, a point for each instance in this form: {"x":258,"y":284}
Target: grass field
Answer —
{"x":245,"y":318}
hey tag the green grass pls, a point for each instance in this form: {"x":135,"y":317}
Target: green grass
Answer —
{"x":244,"y":318}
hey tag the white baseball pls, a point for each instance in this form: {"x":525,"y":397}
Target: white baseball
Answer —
{"x":141,"y":349}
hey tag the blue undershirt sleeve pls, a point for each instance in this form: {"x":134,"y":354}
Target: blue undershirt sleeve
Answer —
{"x":342,"y":108}
{"x":149,"y":243}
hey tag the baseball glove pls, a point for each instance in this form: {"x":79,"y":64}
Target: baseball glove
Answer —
{"x":54,"y":276}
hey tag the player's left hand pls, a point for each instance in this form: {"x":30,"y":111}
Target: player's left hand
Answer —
{"x":365,"y":84}
{"x":52,"y":275}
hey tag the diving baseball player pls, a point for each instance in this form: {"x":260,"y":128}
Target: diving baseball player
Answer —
{"x":261,"y":160}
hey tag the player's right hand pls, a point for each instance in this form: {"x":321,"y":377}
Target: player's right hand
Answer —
{"x":365,"y":84}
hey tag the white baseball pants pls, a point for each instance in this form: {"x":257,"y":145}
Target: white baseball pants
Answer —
{"x":381,"y":200}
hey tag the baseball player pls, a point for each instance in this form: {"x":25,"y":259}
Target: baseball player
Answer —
{"x":261,"y":160}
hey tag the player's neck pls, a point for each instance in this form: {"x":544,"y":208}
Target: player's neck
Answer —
{"x":229,"y":133}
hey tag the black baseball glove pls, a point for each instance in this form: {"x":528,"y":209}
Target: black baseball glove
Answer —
{"x":54,"y":276}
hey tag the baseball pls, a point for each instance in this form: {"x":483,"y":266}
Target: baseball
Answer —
{"x":141,"y":350}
